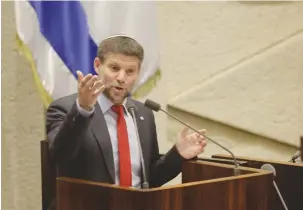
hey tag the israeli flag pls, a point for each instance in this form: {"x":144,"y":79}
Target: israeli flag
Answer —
{"x":60,"y":37}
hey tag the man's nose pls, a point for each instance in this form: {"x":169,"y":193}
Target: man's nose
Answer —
{"x":121,"y":76}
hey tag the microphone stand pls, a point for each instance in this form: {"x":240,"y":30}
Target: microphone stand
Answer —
{"x":145,"y":184}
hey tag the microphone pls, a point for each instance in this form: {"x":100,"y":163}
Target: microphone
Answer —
{"x":157,"y":107}
{"x":269,"y":167}
{"x":295,"y":156}
{"x":131,"y":107}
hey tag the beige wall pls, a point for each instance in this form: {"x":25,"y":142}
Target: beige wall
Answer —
{"x":232,"y":68}
{"x":22,"y":124}
{"x":235,"y":69}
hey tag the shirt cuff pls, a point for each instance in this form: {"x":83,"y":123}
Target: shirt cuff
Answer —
{"x":84,"y":112}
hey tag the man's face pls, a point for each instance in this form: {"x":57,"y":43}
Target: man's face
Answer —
{"x":119,"y":72}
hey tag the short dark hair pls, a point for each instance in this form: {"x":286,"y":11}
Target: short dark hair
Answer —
{"x":120,"y":44}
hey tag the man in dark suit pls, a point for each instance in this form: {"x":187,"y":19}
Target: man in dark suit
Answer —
{"x":92,"y":136}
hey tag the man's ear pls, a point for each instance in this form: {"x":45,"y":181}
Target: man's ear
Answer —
{"x":97,"y":64}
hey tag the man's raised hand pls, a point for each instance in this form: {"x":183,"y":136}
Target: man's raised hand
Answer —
{"x":89,"y":88}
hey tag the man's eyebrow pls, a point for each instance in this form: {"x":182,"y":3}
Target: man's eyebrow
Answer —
{"x":113,"y":63}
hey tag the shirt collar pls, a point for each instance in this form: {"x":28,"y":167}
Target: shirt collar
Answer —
{"x":106,"y":104}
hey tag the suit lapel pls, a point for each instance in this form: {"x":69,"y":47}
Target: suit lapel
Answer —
{"x":100,"y":131}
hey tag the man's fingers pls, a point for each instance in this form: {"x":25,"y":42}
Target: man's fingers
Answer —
{"x":85,"y":80}
{"x":203,"y":131}
{"x":184,"y":132}
{"x":97,"y":85}
{"x":99,"y":90}
{"x":90,"y":83}
{"x":198,"y":138}
{"x":203,"y":143}
{"x":201,"y":149}
{"x":198,"y":135}
{"x":80,"y":75}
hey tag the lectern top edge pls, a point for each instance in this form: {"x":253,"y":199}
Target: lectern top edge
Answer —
{"x":222,"y":165}
{"x":243,"y":158}
{"x":254,"y":173}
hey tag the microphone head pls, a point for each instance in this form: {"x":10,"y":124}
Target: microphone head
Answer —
{"x":130,"y":105}
{"x":152,"y":105}
{"x":269,"y":167}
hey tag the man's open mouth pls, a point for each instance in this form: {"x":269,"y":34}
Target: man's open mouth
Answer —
{"x":118,"y":88}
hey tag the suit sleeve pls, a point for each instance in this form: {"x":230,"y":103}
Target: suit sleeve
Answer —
{"x":65,"y":128}
{"x":163,"y":168}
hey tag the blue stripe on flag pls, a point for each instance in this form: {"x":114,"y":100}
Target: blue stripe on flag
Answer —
{"x":64,"y":25}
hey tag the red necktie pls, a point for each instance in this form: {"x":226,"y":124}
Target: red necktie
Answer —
{"x":123,"y":148}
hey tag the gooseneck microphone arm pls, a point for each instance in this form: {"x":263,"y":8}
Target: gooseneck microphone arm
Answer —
{"x":156,"y":107}
{"x":131,"y":107}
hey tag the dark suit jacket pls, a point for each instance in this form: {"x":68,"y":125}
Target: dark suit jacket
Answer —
{"x":81,"y":146}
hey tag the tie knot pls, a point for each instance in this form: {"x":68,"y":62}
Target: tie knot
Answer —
{"x":118,"y":109}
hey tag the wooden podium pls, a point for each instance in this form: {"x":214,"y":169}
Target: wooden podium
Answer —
{"x":289,"y":179}
{"x":205,"y":185}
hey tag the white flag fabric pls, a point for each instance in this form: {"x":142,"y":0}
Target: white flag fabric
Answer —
{"x":61,"y":37}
